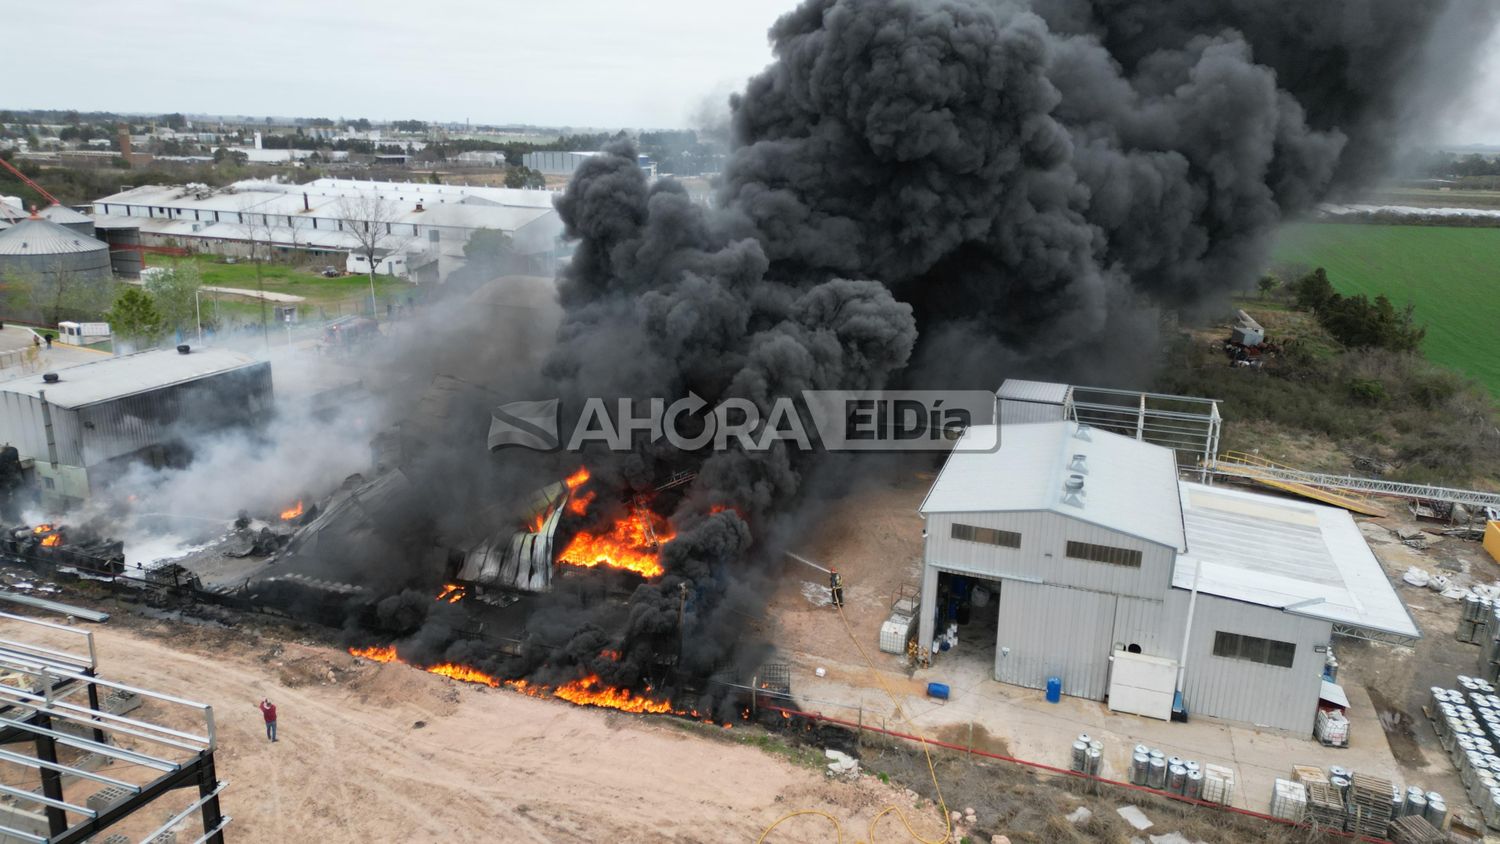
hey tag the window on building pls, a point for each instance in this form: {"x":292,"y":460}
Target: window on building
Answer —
{"x":989,"y":536}
{"x":1104,"y":554}
{"x":1254,"y":649}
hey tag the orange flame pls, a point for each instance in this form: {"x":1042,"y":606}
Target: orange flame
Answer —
{"x":52,"y":541}
{"x":538,"y":521}
{"x":633,"y":543}
{"x":589,"y":691}
{"x":579,"y":504}
{"x":292,"y":512}
{"x":462,"y":673}
{"x":42,"y":529}
{"x":378,"y":653}
{"x":610,"y":654}
{"x":577,"y":479}
{"x":452,"y":593}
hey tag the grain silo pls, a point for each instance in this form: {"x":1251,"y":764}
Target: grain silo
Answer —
{"x":69,"y":219}
{"x":41,"y":247}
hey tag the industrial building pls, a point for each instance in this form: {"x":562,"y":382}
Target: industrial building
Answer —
{"x":553,"y":163}
{"x":1079,"y":556}
{"x":429,"y":223}
{"x":79,"y":427}
{"x":34,"y":247}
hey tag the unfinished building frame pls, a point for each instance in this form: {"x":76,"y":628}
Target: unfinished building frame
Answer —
{"x":59,"y":742}
{"x":1186,"y":424}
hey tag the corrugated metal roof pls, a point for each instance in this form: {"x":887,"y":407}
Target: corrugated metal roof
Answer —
{"x":1129,"y":486}
{"x":44,"y":237}
{"x":1304,"y":558}
{"x":63,"y":214}
{"x":127,"y":375}
{"x":11,"y":213}
{"x":1042,"y":391}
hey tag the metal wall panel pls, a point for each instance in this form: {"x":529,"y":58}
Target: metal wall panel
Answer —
{"x":23,"y":425}
{"x":1023,"y":412}
{"x":1238,"y":690}
{"x":1042,"y":556}
{"x":129,"y":424}
{"x":1144,"y":622}
{"x":1054,"y":632}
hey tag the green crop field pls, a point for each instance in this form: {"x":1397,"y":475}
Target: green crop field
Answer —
{"x":1452,"y":275}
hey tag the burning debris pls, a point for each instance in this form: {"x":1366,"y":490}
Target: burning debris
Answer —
{"x":632,"y":543}
{"x":293,"y":512}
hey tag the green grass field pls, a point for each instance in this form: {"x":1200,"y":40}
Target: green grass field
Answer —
{"x":1452,"y":275}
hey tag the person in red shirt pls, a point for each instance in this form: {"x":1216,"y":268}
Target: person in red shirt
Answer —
{"x":268,"y":711}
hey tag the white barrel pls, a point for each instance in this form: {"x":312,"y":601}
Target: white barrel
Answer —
{"x":1080,"y":756}
{"x":1094,"y":762}
{"x":1437,"y":814}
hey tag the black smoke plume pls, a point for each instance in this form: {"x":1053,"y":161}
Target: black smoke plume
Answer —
{"x":942,"y":193}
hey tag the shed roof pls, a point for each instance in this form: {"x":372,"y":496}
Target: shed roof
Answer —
{"x":63,"y":214}
{"x":127,"y":375}
{"x":1306,"y":559}
{"x":1129,"y":486}
{"x":44,"y":237}
{"x":1015,"y":389}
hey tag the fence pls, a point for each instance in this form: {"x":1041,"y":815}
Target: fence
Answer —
{"x":861,"y":726}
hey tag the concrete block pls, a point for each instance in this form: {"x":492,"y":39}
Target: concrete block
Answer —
{"x":1135,"y":817}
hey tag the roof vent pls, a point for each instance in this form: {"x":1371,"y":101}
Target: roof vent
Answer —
{"x":1078,"y":465}
{"x":1073,"y":490}
{"x":51,"y":377}
{"x":184,"y":349}
{"x":1082,"y":433}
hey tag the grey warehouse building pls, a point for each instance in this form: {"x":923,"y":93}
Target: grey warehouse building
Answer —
{"x":1100,"y":567}
{"x":94,"y":420}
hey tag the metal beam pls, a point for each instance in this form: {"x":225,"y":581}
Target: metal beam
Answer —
{"x":191,"y":808}
{"x":1226,"y":465}
{"x":33,"y":797}
{"x":66,"y":740}
{"x":33,"y":762}
{"x":54,"y":606}
{"x":90,"y":827}
{"x":1354,"y":632}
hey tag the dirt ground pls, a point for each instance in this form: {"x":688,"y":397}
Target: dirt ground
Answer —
{"x":383,"y":752}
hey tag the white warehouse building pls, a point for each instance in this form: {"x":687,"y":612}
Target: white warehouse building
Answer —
{"x":1078,"y":554}
{"x":429,"y":224}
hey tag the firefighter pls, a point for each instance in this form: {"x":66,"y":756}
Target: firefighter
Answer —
{"x":836,"y":587}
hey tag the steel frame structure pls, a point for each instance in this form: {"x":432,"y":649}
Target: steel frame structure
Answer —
{"x":1188,"y":425}
{"x":1371,"y":486}
{"x":42,"y":713}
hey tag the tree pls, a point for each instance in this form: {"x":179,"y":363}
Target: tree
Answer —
{"x":368,"y":219}
{"x":1313,"y":291}
{"x":233,"y":156}
{"x":524,"y":177}
{"x":174,"y":120}
{"x":1267,"y":285}
{"x":174,"y":294}
{"x":488,"y":254}
{"x":134,"y":318}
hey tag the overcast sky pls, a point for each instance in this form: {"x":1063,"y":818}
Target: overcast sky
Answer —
{"x":600,"y":63}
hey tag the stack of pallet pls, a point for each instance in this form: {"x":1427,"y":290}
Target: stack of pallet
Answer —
{"x":1415,"y":830}
{"x":1307,"y":774}
{"x":1325,"y":806}
{"x":1369,"y":805}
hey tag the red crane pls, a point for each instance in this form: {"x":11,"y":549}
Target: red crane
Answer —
{"x":29,"y":183}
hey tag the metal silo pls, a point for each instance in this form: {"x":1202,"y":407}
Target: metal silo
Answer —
{"x":69,"y":219}
{"x":124,"y":239}
{"x":40,"y":247}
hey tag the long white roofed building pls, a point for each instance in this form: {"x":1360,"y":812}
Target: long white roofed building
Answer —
{"x":427,"y":221}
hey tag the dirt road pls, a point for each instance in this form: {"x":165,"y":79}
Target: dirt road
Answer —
{"x":385,"y":752}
